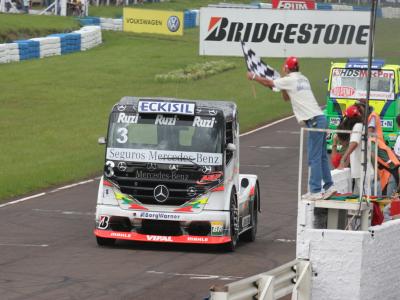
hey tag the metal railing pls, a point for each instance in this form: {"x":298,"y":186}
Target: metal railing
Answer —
{"x":291,"y":278}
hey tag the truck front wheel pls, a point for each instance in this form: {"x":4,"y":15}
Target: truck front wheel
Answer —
{"x":233,"y":223}
{"x":250,"y":235}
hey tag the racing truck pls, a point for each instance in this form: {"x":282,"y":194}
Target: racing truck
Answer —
{"x":171,"y":175}
{"x":347,"y":84}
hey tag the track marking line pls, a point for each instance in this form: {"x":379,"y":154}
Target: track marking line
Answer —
{"x":198,"y":276}
{"x":22,"y":200}
{"x":24,"y":245}
{"x":71,"y":185}
{"x":64,"y":212}
{"x":273,"y":147}
{"x":266,"y":126}
{"x":288,"y":131}
{"x":277,"y":147}
{"x":285,"y":241}
{"x":93,"y":179}
{"x":255,"y":166}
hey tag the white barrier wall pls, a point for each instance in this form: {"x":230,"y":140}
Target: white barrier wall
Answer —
{"x":9,"y":52}
{"x":90,"y":37}
{"x":49,"y":46}
{"x":349,"y":265}
{"x":391,"y":12}
{"x":85,"y":38}
{"x":111,"y":24}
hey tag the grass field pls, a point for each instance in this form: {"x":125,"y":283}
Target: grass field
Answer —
{"x":14,"y":27}
{"x":54,"y":109}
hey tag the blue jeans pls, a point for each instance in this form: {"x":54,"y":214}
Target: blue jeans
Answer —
{"x":317,"y":155}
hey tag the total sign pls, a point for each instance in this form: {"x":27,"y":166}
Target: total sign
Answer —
{"x":293,"y":4}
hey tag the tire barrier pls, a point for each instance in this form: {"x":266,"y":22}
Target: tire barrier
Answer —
{"x":191,"y":18}
{"x":111,"y":24}
{"x":55,"y":44}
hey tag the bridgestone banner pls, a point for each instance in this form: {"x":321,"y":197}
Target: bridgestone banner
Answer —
{"x":282,"y":33}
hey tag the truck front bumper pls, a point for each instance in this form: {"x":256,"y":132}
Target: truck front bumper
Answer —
{"x":206,"y":227}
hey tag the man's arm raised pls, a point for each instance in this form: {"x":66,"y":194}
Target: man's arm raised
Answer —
{"x":267,"y":82}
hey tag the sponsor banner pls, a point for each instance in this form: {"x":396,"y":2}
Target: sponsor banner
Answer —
{"x":387,"y":124}
{"x":150,"y":215}
{"x":280,"y":33}
{"x":127,"y":118}
{"x":161,"y":156}
{"x":362,"y":73}
{"x":203,"y":122}
{"x":189,"y":239}
{"x":153,"y":21}
{"x":153,"y":107}
{"x":293,"y":4}
{"x":172,"y":175}
{"x":217,"y":228}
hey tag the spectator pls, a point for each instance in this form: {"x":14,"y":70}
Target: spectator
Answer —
{"x":353,"y":122}
{"x":339,"y":146}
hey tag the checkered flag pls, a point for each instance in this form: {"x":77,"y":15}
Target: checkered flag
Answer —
{"x":257,"y":66}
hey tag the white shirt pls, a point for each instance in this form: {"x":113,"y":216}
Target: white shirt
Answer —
{"x":304,"y":104}
{"x":356,"y":157}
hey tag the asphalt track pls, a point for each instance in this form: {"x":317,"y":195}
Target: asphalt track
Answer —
{"x":48,"y":251}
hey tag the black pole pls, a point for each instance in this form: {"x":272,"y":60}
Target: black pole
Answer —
{"x":368,"y":87}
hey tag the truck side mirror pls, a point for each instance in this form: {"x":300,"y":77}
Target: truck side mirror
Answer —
{"x":231,"y":147}
{"x":244,"y":183}
{"x":102,"y":140}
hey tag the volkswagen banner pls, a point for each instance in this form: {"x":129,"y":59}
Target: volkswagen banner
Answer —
{"x":153,"y":21}
{"x":281,"y":33}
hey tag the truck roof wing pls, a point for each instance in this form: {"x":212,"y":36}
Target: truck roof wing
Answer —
{"x":228,"y":108}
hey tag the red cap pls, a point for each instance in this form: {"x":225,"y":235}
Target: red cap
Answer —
{"x":352,"y":112}
{"x":291,"y":62}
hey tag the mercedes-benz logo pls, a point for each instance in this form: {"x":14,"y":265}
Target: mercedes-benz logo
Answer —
{"x":122,"y":166}
{"x":151,"y":166}
{"x":173,"y":23}
{"x":121,"y":107}
{"x":212,"y":112}
{"x":161,"y":193}
{"x":173,"y":167}
{"x":191,"y":191}
{"x":206,"y":169}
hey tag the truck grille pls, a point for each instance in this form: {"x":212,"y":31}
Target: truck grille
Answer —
{"x":143,"y":190}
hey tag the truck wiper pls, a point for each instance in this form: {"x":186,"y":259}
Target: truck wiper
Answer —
{"x":198,"y":167}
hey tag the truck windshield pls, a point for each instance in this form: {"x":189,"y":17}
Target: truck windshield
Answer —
{"x":352,"y":84}
{"x":165,"y":132}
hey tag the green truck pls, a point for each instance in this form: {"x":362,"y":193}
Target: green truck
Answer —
{"x":347,"y":84}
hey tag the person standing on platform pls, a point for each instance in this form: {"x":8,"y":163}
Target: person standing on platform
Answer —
{"x":296,"y":88}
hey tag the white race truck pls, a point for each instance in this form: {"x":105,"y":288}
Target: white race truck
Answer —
{"x":171,"y":175}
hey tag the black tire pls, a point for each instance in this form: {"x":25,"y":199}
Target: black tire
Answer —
{"x":105,"y":241}
{"x":233,"y":223}
{"x":250,"y":235}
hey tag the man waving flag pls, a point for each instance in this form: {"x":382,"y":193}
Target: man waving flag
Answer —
{"x":257,"y":66}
